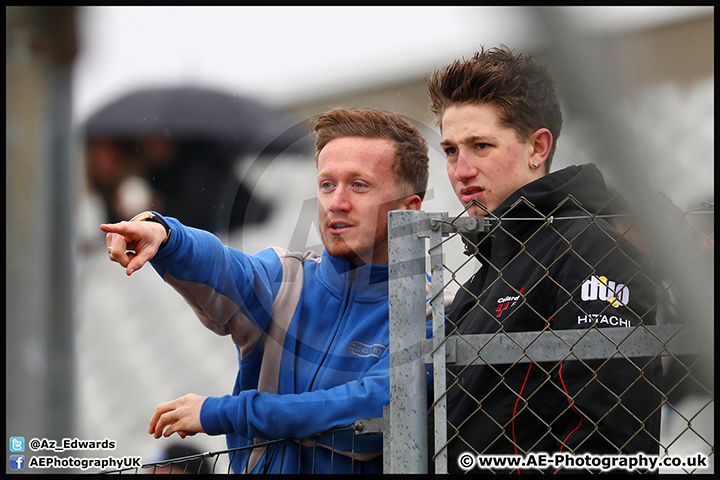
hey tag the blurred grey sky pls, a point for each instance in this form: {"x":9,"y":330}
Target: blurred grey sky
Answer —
{"x":284,"y":54}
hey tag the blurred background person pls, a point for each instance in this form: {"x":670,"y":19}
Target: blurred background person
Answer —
{"x":178,"y":149}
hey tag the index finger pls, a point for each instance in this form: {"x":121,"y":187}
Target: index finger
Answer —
{"x":120,"y":231}
{"x":119,"y":227}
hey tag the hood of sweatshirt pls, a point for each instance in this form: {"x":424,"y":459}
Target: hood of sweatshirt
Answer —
{"x":575,"y":190}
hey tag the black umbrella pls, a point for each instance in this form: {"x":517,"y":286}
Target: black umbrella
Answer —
{"x":209,"y":130}
{"x":198,"y":113}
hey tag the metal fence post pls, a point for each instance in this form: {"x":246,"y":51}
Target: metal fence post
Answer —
{"x":437,"y":302}
{"x":42,"y":184}
{"x":407,"y":425}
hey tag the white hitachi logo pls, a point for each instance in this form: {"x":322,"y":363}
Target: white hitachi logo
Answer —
{"x":610,"y":320}
{"x":600,"y":288}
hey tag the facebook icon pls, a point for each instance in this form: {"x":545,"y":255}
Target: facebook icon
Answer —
{"x":17,"y":462}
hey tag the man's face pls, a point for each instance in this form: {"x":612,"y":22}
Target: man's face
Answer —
{"x":356,"y":190}
{"x":485,"y":160}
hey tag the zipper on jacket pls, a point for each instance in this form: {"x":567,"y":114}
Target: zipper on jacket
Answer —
{"x":351,"y":279}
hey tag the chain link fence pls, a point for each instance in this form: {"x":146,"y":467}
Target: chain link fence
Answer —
{"x":597,"y":377}
{"x":302,"y":456}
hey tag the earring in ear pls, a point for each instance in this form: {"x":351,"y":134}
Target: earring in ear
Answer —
{"x":536,"y":164}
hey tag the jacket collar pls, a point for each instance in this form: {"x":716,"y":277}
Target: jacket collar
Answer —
{"x":369,"y":280}
{"x":572,"y":189}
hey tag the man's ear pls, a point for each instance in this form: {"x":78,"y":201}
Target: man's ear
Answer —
{"x":413,"y":202}
{"x":541,"y":142}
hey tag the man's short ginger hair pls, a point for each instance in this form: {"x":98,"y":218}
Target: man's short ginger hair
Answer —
{"x":520,"y":87}
{"x":411,"y":150}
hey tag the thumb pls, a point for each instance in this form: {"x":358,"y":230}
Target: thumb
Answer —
{"x":138,"y":259}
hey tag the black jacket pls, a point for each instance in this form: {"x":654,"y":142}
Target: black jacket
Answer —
{"x":537,"y":275}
